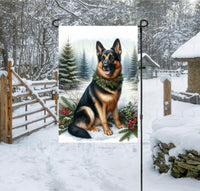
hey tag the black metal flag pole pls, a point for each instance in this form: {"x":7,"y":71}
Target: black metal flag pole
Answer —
{"x":143,"y":23}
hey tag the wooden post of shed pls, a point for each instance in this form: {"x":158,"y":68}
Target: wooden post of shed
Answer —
{"x":167,"y":97}
{"x":9,"y":136}
{"x":3,"y":109}
{"x":194,"y":76}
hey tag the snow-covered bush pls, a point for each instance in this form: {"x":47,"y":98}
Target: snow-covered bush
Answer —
{"x":175,"y":145}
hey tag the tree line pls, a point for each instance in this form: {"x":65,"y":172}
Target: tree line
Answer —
{"x":27,"y":34}
{"x":73,"y":69}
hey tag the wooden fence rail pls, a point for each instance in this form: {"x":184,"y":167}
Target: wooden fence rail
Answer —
{"x":32,"y":94}
{"x":168,"y":72}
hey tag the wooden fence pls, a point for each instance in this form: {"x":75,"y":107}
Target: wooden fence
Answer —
{"x":168,"y":72}
{"x":3,"y":108}
{"x":167,"y":97}
{"x":26,"y":106}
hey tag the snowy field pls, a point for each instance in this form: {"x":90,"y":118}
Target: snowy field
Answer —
{"x":39,"y":162}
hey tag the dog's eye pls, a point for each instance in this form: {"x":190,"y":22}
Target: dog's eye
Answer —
{"x":103,"y":58}
{"x":111,"y":57}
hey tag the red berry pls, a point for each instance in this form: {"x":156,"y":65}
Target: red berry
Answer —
{"x":67,"y":111}
{"x":133,"y":122}
{"x":132,"y":128}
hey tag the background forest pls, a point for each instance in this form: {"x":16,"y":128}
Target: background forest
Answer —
{"x":27,"y":34}
{"x":77,"y":51}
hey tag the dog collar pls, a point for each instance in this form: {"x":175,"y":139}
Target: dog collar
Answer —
{"x":110,"y":83}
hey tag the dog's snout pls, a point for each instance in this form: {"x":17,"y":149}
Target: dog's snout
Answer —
{"x":106,"y":65}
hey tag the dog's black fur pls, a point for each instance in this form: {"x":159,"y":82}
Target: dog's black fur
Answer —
{"x":94,"y":105}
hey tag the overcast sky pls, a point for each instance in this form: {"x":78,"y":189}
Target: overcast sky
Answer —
{"x":83,"y":38}
{"x":105,"y":34}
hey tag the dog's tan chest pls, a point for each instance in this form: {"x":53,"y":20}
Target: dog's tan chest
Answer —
{"x":109,"y":100}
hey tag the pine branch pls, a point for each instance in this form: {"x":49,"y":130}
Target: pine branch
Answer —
{"x":69,"y":105}
{"x":62,"y":130}
{"x":124,"y":131}
{"x":125,"y":136}
{"x":135,"y":133}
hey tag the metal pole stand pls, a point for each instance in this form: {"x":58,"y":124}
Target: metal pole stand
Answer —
{"x":143,"y":23}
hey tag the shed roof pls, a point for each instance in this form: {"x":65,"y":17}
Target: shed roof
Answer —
{"x":189,"y":50}
{"x":145,"y":55}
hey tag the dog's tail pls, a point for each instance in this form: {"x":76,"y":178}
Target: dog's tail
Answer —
{"x":78,"y":132}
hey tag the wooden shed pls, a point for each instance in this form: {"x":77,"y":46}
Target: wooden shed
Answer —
{"x":150,"y":66}
{"x":190,"y":52}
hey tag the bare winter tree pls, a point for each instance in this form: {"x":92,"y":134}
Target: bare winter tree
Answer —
{"x":27,"y":35}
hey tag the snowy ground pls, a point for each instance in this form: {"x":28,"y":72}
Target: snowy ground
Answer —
{"x":39,"y":162}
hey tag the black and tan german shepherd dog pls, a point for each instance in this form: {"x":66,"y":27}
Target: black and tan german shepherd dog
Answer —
{"x":102,"y":95}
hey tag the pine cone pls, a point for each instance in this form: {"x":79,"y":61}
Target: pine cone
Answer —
{"x":131,"y":118}
{"x":135,"y":119}
{"x":122,"y":115}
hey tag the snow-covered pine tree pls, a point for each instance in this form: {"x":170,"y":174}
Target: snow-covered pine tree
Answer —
{"x":126,"y":66}
{"x":133,"y":67}
{"x":84,"y":69}
{"x":68,"y":72}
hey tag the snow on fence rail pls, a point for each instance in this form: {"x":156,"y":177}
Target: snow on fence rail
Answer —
{"x":168,"y":72}
{"x":28,"y":105}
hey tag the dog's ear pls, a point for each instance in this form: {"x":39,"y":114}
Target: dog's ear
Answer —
{"x":99,"y":48}
{"x":117,"y":47}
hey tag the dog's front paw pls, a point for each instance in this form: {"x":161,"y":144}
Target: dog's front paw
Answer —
{"x":120,"y":126}
{"x":108,"y":132}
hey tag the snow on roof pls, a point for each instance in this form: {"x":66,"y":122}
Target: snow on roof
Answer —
{"x":191,"y":49}
{"x":149,"y":58}
{"x":5,"y":73}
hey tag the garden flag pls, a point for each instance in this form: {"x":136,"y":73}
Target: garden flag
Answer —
{"x":98,"y":84}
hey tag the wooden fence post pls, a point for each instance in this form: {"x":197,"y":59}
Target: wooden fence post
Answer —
{"x":56,"y":94}
{"x":167,"y":97}
{"x":26,"y":109}
{"x":3,"y":109}
{"x":45,"y":112}
{"x":10,"y":103}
